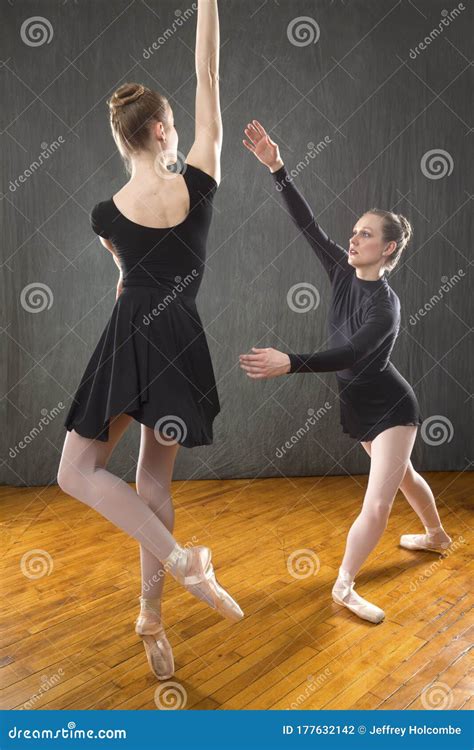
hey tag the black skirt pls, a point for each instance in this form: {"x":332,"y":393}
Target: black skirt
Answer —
{"x":381,"y":401}
{"x":152,"y":362}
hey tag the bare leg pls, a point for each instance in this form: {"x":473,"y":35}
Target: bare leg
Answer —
{"x":82,"y":474}
{"x":419,"y":495}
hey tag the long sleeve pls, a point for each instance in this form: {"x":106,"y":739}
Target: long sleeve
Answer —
{"x":379,"y":325}
{"x":329,"y":252}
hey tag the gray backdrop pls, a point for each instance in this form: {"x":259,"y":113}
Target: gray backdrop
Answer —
{"x":393,"y":120}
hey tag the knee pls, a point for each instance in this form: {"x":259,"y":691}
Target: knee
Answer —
{"x":67,"y":479}
{"x":377,"y":513}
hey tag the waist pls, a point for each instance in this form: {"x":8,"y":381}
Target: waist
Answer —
{"x":175,"y":287}
{"x":366,"y":376}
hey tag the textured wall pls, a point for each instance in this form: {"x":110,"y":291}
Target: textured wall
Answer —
{"x":352,"y":79}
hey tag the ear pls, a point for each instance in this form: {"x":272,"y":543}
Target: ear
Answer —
{"x":391,"y":247}
{"x":159,"y":132}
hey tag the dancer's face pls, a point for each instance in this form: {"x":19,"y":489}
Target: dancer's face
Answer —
{"x":366,"y":244}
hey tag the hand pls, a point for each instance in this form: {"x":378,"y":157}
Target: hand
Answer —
{"x":262,"y":146}
{"x":265,"y":363}
{"x":119,"y":287}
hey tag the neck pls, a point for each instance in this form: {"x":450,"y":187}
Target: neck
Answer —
{"x":370,"y":273}
{"x":148,"y":166}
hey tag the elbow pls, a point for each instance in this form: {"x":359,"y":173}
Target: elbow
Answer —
{"x":209,"y":78}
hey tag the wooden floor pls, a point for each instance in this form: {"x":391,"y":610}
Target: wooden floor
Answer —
{"x":68,"y":638}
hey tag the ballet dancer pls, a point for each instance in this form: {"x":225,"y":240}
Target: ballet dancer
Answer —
{"x":377,"y":405}
{"x":152,"y":362}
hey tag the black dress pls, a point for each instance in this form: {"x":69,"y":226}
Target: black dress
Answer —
{"x":152,"y":360}
{"x":364,"y":320}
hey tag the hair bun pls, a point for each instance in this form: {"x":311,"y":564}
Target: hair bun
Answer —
{"x":126,"y":94}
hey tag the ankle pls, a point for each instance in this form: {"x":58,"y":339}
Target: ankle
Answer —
{"x":177,"y":561}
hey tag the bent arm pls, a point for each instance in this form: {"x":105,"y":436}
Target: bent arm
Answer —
{"x":206,"y":150}
{"x":329,"y":252}
{"x":371,"y":335}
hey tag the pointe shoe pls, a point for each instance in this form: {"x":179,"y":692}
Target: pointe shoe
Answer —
{"x":343,"y":593}
{"x":423,"y":542}
{"x":158,"y":650}
{"x":196,"y":573}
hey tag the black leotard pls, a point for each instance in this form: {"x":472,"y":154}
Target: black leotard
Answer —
{"x":364,"y":317}
{"x":364,"y":320}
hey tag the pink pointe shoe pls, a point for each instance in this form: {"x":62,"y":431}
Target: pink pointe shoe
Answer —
{"x":192,"y":567}
{"x":157,"y":647}
{"x":425,"y":541}
{"x":343,"y":593}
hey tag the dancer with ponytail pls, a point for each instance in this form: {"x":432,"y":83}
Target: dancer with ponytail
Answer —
{"x":377,"y":405}
{"x":152,"y":362}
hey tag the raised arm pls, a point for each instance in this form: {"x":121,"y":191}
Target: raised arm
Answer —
{"x":206,"y":150}
{"x":259,"y":143}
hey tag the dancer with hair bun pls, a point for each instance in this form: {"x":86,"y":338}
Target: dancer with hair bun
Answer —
{"x":377,"y":405}
{"x":152,"y":362}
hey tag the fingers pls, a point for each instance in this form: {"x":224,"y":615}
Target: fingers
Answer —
{"x":252,"y":133}
{"x":250,"y":146}
{"x":259,"y":128}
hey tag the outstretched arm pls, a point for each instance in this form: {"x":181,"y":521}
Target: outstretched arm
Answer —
{"x":206,"y":150}
{"x":259,"y":143}
{"x":269,"y":363}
